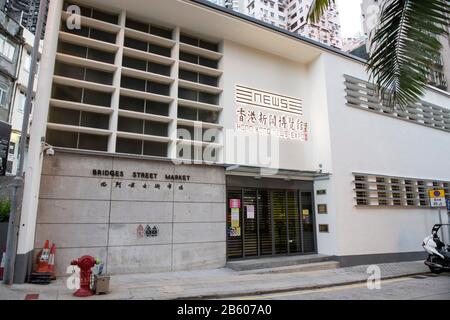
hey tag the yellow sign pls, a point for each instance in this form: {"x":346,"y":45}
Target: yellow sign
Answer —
{"x":437,"y":198}
{"x":235,"y":217}
{"x":438,"y":193}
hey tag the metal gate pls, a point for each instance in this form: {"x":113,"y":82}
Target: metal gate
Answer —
{"x":268,"y":222}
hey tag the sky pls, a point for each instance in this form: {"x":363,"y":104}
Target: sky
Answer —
{"x":350,"y":13}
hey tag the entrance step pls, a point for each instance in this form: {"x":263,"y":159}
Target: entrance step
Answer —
{"x":316,"y":266}
{"x":278,"y":262}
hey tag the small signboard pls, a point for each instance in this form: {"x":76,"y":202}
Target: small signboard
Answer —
{"x":235,"y":217}
{"x":437,"y":198}
{"x":5,"y":136}
{"x":235,"y":203}
{"x":251,"y":212}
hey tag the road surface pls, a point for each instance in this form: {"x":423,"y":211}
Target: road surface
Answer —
{"x":423,"y":287}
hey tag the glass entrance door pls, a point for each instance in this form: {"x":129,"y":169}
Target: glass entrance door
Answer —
{"x":294,"y":222}
{"x":263,"y":222}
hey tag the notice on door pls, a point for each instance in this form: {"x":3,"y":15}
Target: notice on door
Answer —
{"x":235,"y":217}
{"x":235,"y":203}
{"x":250,"y":212}
{"x":235,"y":230}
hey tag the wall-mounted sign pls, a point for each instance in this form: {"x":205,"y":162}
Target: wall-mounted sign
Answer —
{"x":268,"y":100}
{"x":235,"y":229}
{"x":235,"y":203}
{"x":5,"y":136}
{"x":235,"y":221}
{"x":322,"y":209}
{"x":140,"y":175}
{"x":250,"y":212}
{"x":148,"y":231}
{"x":270,"y":114}
{"x":437,"y":198}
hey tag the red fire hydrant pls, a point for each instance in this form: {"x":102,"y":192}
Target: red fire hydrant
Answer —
{"x":85,"y":263}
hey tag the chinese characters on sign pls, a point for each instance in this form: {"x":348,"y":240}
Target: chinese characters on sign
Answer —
{"x":145,"y":176}
{"x":270,"y":114}
{"x":261,"y":122}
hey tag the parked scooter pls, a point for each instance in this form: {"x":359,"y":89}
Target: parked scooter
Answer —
{"x":438,"y":253}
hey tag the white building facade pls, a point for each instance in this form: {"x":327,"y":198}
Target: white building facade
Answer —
{"x":186,"y":137}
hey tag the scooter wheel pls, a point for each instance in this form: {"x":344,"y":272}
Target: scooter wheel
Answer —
{"x":436,"y":270}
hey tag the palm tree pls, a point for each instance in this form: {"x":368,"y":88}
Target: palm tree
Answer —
{"x":403,"y":47}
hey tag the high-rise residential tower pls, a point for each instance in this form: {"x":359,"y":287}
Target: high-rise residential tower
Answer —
{"x":292,"y":15}
{"x":236,"y":5}
{"x":24,"y":11}
{"x":439,"y":73}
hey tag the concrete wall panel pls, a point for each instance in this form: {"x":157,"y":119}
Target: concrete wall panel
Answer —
{"x":57,"y":187}
{"x":198,"y":232}
{"x":139,"y":193}
{"x":67,"y":164}
{"x":72,"y":235}
{"x":196,"y":173}
{"x":73,"y":211}
{"x":199,"y":212}
{"x":77,"y":212}
{"x":199,"y":256}
{"x":136,"y":259}
{"x":126,"y":234}
{"x":139,"y":211}
{"x":196,"y":192}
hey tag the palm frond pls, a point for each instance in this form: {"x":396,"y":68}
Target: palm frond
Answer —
{"x":317,"y":9}
{"x":405,"y":46}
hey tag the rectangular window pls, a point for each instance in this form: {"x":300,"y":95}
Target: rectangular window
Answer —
{"x":7,"y":48}
{"x":4,"y":90}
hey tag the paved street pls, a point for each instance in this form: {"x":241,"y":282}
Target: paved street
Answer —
{"x":220,"y":283}
{"x":421,"y":287}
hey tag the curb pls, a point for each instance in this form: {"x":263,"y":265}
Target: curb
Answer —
{"x":304,"y":288}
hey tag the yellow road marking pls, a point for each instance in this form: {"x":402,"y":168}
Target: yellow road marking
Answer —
{"x":330,"y":289}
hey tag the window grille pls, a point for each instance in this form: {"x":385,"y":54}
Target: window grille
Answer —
{"x":381,"y":190}
{"x":362,"y":95}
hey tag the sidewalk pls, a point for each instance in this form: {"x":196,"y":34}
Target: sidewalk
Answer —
{"x":214,"y":283}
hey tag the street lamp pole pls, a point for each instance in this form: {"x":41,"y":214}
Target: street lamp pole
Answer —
{"x":17,"y":187}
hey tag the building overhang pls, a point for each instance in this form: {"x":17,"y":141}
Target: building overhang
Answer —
{"x":208,"y":20}
{"x":273,"y":173}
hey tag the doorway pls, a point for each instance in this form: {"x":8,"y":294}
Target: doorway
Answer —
{"x":269,"y":222}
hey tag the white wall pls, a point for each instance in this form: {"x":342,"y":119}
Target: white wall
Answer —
{"x":256,"y":69}
{"x":362,"y":141}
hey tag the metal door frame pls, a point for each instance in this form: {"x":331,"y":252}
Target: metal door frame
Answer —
{"x":257,"y":205}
